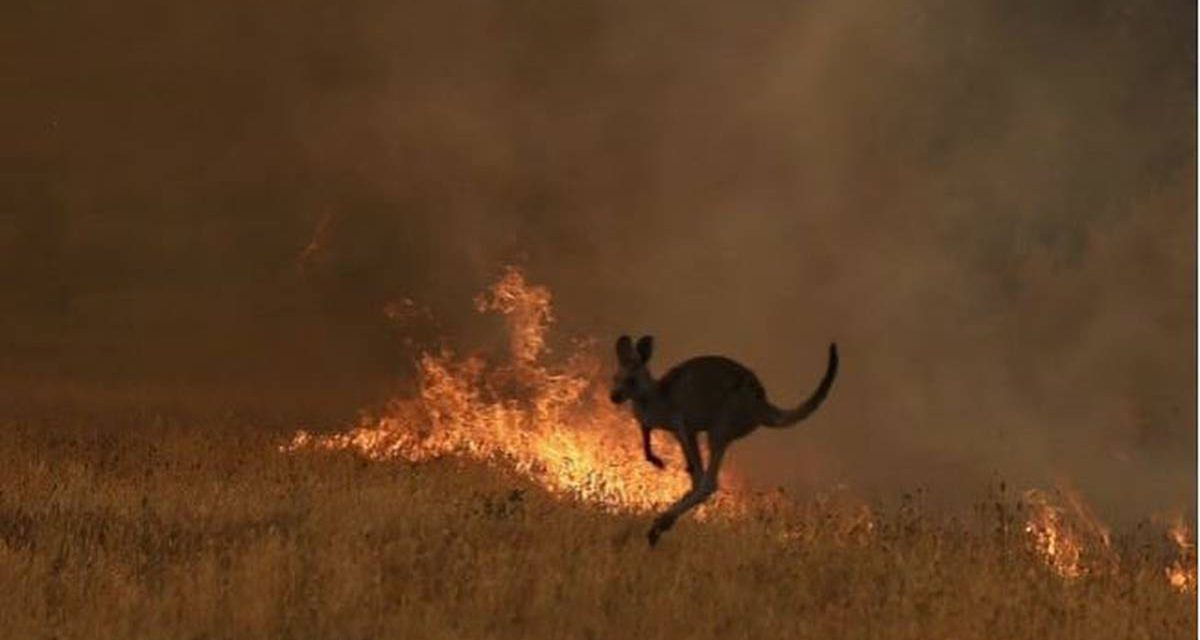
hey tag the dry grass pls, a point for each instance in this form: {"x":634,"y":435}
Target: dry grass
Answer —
{"x":203,"y":531}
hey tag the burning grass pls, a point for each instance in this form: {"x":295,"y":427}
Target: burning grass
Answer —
{"x":1182,"y":571}
{"x":510,"y":499}
{"x":1065,"y":533}
{"x":547,"y":419}
{"x":136,"y":530}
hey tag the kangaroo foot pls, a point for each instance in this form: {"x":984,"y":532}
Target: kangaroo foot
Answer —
{"x":660,"y":526}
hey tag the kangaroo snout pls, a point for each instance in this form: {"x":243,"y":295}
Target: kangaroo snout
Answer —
{"x":616,"y":396}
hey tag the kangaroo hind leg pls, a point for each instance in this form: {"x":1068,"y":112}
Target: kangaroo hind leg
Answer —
{"x":691,"y":453}
{"x":703,"y":487}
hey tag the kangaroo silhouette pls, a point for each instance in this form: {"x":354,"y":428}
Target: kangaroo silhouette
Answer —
{"x":713,"y":394}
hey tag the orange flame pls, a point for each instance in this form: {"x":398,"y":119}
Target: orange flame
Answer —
{"x":552,"y":423}
{"x":1181,"y":573}
{"x":1068,"y":537}
{"x":549,"y":422}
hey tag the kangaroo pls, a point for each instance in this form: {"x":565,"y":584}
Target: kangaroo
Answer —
{"x":708,"y":393}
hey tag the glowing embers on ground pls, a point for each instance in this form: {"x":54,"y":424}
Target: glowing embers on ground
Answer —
{"x":550,"y":421}
{"x":1068,"y":537}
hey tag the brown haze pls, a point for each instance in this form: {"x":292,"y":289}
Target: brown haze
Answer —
{"x":990,"y":208}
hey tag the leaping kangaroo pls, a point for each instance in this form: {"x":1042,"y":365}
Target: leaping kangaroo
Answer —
{"x":708,"y":393}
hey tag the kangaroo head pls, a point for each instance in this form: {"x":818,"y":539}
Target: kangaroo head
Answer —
{"x":632,"y":379}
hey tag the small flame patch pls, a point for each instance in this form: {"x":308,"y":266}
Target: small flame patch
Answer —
{"x":1067,"y":536}
{"x":1181,"y":573}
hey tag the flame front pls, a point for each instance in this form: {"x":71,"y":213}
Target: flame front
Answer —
{"x":552,"y":422}
{"x":549,"y":422}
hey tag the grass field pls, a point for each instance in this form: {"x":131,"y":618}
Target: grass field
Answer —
{"x":140,"y":526}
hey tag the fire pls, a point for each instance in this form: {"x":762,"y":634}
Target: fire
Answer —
{"x":1181,"y":573}
{"x":549,"y":421}
{"x":1068,"y":537}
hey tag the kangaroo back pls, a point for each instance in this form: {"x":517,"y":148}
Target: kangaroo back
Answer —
{"x":705,"y":387}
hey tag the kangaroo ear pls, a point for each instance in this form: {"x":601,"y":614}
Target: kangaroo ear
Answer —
{"x":645,"y":347}
{"x":625,"y":349}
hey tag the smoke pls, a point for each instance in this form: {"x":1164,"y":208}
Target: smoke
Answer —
{"x":989,"y":208}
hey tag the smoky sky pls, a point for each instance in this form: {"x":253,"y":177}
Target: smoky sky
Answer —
{"x":989,"y":206}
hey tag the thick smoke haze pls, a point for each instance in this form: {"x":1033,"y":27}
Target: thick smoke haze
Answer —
{"x":989,"y":206}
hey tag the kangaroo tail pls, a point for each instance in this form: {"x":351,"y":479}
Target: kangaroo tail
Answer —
{"x":777,"y":417}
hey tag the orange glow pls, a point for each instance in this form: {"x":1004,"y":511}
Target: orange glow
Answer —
{"x":1066,"y":535}
{"x":549,"y":421}
{"x":1181,"y":573}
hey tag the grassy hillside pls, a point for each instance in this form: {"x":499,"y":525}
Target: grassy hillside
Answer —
{"x":134,"y":527}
